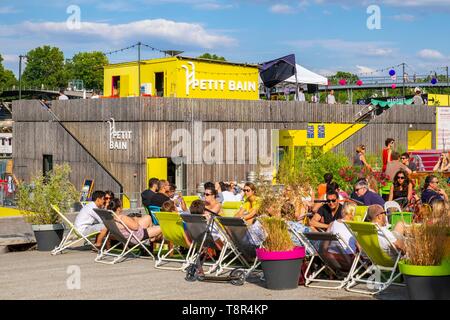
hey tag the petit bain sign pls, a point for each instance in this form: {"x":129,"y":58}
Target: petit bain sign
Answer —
{"x":232,"y":85}
{"x":118,"y":140}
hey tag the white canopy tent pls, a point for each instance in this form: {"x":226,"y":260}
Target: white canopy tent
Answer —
{"x":305,"y":76}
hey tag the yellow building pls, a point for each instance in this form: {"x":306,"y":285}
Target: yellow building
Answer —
{"x":182,"y":77}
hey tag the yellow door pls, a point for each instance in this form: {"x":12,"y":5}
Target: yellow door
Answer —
{"x":419,"y":140}
{"x":157,"y":168}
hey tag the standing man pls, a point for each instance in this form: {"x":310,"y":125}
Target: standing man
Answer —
{"x":331,"y":98}
{"x":418,"y":97}
{"x":328,"y":213}
{"x":387,"y":151}
{"x":147,"y":195}
{"x":62,"y":96}
{"x":394,"y":166}
{"x":301,"y":95}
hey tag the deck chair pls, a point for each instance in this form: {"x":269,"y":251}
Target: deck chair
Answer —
{"x":309,"y":250}
{"x":392,"y":205}
{"x":196,"y":227}
{"x":396,"y":217}
{"x":173,"y":232}
{"x":337,"y":258}
{"x":189,"y":199}
{"x":151,"y":211}
{"x":241,"y":244}
{"x":230,"y":208}
{"x":128,"y":246}
{"x":383,"y":269}
{"x":360,"y":213}
{"x":68,"y":240}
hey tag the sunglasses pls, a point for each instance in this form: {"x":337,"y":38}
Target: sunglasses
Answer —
{"x":247,"y":190}
{"x":403,"y":178}
{"x":208,"y":194}
{"x":358,"y":189}
{"x":107,"y":198}
{"x":404,"y":158}
{"x":332,"y":200}
{"x":363,"y":148}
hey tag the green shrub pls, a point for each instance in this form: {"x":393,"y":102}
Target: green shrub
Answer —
{"x":34,"y":200}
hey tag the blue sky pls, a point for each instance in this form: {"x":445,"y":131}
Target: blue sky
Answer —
{"x":325,"y":35}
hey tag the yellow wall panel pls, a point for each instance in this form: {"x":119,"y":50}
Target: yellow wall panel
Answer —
{"x":419,"y":140}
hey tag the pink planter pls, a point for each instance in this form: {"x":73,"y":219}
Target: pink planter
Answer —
{"x":296,"y":253}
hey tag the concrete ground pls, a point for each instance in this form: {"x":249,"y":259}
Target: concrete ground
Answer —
{"x":38,"y":275}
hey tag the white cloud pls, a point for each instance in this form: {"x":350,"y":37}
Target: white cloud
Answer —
{"x":404,"y":17}
{"x":179,"y":33}
{"x":282,"y":8}
{"x":430,"y":54}
{"x":361,"y":48}
{"x":10,"y":58}
{"x":213,"y":6}
{"x":363,"y":69}
{"x":8,"y":10}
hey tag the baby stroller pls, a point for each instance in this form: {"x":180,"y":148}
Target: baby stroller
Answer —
{"x":200,"y":229}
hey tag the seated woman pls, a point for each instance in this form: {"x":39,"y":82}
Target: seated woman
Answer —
{"x":401,"y":188}
{"x":443,"y":164}
{"x":294,"y":220}
{"x":250,"y":207}
{"x":338,"y":227}
{"x":141,"y":227}
{"x":211,"y":202}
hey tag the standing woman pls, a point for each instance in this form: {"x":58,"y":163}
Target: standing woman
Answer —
{"x":360,"y":158}
{"x":402,"y":187}
{"x":387,"y":151}
{"x":251,"y":205}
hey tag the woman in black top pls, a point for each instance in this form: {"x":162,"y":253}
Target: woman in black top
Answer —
{"x":401,"y":188}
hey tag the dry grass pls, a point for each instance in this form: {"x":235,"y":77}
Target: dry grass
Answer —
{"x":278,"y":237}
{"x":427,"y":244}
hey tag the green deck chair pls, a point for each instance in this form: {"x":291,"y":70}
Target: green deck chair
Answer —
{"x":172,"y":228}
{"x":230,"y":208}
{"x":383,"y":271}
{"x":189,"y":199}
{"x":360,"y":213}
{"x":73,"y":237}
{"x":396,"y":217}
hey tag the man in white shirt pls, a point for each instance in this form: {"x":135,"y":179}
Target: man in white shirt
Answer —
{"x":331,"y":98}
{"x":87,"y":220}
{"x":228,"y":194}
{"x":301,"y":95}
{"x":377,"y":215}
{"x":62,"y":96}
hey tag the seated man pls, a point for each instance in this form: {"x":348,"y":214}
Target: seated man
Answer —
{"x":87,"y":221}
{"x":161,"y":196}
{"x":377,"y":215}
{"x":150,"y":192}
{"x":366,"y":196}
{"x":327,"y":213}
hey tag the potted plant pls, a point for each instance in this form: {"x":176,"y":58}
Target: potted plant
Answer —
{"x":427,"y":265}
{"x":280,"y":260}
{"x":34,"y":202}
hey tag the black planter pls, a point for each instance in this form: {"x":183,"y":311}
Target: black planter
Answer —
{"x":281,"y":269}
{"x":48,"y":236}
{"x":428,"y":288}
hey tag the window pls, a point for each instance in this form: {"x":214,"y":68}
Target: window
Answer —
{"x":47,"y":163}
{"x":159,"y":83}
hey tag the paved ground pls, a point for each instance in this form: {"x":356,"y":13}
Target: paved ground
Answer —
{"x":38,"y":275}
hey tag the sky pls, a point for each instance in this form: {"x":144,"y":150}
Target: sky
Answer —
{"x":325,"y":35}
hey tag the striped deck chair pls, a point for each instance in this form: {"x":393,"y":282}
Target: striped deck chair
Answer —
{"x":230,"y":208}
{"x":113,"y":231}
{"x":173,"y":232}
{"x":68,"y":240}
{"x":242,"y":244}
{"x":337,"y":257}
{"x":383,"y":270}
{"x":196,"y":227}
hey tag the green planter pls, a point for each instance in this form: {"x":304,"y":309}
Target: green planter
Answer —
{"x":427,"y":282}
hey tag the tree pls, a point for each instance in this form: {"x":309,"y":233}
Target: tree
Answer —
{"x":87,"y":66}
{"x":7,"y":78}
{"x":45,"y":66}
{"x":212,"y":57}
{"x":350,"y":77}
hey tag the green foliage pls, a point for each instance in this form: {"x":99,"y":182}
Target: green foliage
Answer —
{"x":211,"y":57}
{"x":350,"y":77}
{"x":7,"y":78}
{"x":34,"y":200}
{"x":45,"y":66}
{"x":87,"y":66}
{"x":310,"y":168}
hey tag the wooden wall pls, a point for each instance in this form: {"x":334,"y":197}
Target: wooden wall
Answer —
{"x":153,"y":120}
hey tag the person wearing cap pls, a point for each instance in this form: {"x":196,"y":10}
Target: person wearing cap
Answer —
{"x":418,"y":97}
{"x":366,"y":196}
{"x":377,"y":215}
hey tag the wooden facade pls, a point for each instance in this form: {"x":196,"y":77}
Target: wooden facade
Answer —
{"x":83,"y":134}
